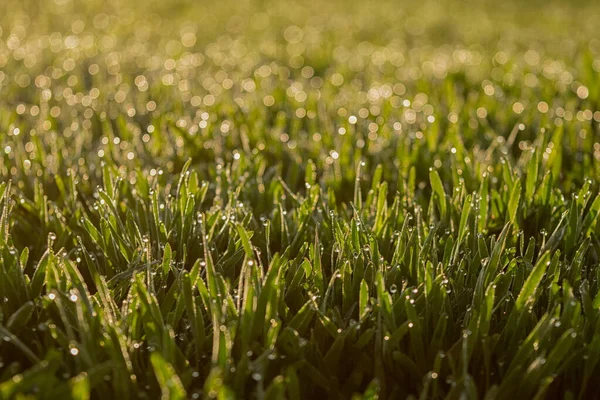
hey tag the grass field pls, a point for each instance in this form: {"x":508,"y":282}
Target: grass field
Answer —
{"x":281,"y":199}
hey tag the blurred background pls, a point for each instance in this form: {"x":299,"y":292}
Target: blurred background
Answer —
{"x":239,"y":34}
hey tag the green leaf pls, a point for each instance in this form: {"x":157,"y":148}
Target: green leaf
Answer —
{"x":514,"y":203}
{"x":438,"y":189}
{"x":363,"y":299}
{"x":169,"y":382}
{"x":532,"y":175}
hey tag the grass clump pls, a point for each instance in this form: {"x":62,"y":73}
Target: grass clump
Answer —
{"x":269,"y":200}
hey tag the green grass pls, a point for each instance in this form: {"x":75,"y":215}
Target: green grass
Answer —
{"x":277,"y":200}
